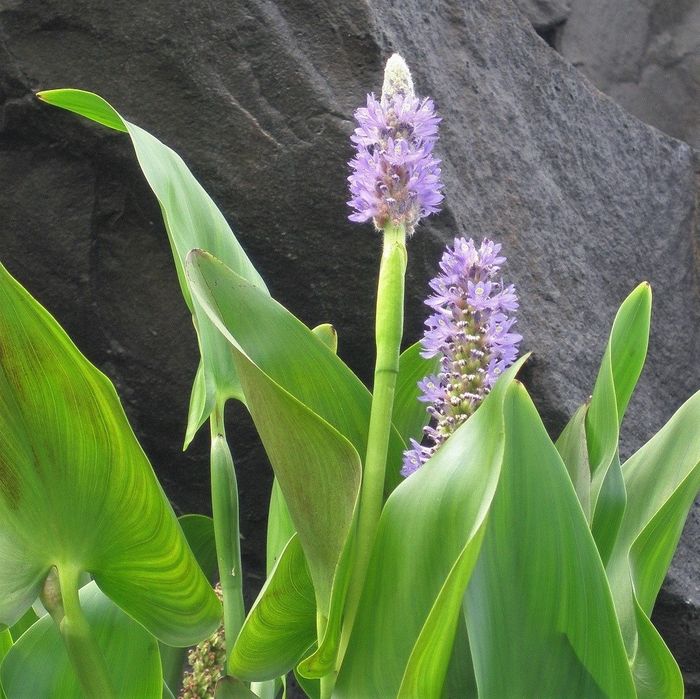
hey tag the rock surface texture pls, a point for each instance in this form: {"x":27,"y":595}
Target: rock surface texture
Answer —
{"x":645,"y":55}
{"x":258,"y":99}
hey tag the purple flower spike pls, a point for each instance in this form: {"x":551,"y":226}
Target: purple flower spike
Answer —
{"x":471,"y":331}
{"x":395,"y":177}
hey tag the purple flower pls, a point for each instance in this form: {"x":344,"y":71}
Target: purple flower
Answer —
{"x":470,"y":329}
{"x":395,"y":177}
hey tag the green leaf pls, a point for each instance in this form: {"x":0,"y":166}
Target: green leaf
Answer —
{"x":199,"y":531}
{"x":312,"y":688}
{"x":409,"y":414}
{"x":539,"y":610}
{"x":662,"y":480}
{"x":589,"y":443}
{"x":280,"y":527}
{"x":77,"y":491}
{"x":610,"y":509}
{"x":38,"y":665}
{"x":285,"y":349}
{"x":328,"y":335}
{"x":323,"y":659}
{"x":619,"y":371}
{"x":5,"y":645}
{"x":192,"y":220}
{"x":305,"y":449}
{"x":311,"y":411}
{"x":232,"y":688}
{"x":29,"y":617}
{"x":281,"y":626}
{"x":414,"y":586}
{"x":571,"y":446}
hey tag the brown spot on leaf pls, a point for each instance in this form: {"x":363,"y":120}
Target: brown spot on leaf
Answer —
{"x":9,"y":484}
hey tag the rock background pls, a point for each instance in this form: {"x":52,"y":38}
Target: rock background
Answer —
{"x":258,"y":98}
{"x":645,"y":55}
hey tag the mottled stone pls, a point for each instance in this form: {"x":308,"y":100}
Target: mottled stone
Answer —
{"x":545,"y":14}
{"x":258,"y":98}
{"x":646,"y":55}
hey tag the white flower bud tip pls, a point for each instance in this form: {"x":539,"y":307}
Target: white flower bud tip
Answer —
{"x":397,"y":79}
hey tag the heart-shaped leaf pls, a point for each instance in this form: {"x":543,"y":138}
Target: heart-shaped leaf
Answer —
{"x":76,"y":490}
{"x":199,"y":531}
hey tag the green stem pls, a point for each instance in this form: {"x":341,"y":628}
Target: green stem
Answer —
{"x":224,"y":504}
{"x":389,"y":331}
{"x":61,"y":599}
{"x":327,"y":682}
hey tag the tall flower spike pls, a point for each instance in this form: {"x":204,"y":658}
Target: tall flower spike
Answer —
{"x":471,"y":331}
{"x":395,"y":177}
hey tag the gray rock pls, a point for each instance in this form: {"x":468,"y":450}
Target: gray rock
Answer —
{"x":258,"y":98}
{"x":545,"y":14}
{"x":646,"y":55}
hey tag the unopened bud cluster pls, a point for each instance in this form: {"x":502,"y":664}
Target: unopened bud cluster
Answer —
{"x":470,"y":330}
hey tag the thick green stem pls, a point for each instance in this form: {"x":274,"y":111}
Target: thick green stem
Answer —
{"x":389,"y":331}
{"x":61,"y":599}
{"x":224,"y":504}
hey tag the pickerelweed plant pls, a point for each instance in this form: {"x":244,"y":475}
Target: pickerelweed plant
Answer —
{"x":427,"y":539}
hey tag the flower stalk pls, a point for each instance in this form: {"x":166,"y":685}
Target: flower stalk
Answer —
{"x":389,"y":331}
{"x":224,"y":501}
{"x":395,"y":181}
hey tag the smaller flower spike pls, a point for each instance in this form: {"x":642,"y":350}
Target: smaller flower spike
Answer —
{"x":471,"y":331}
{"x":395,"y":177}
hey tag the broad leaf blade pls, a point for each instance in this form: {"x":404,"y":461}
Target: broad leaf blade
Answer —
{"x":280,"y":527}
{"x":286,"y":350}
{"x":192,"y":220}
{"x":199,"y":531}
{"x":309,"y":408}
{"x":38,"y":665}
{"x":232,"y":688}
{"x":77,"y":490}
{"x":305,"y":449}
{"x":446,"y":501}
{"x":281,"y":626}
{"x":5,"y":645}
{"x":539,"y":611}
{"x":662,"y":480}
{"x":29,"y":618}
{"x":428,"y":664}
